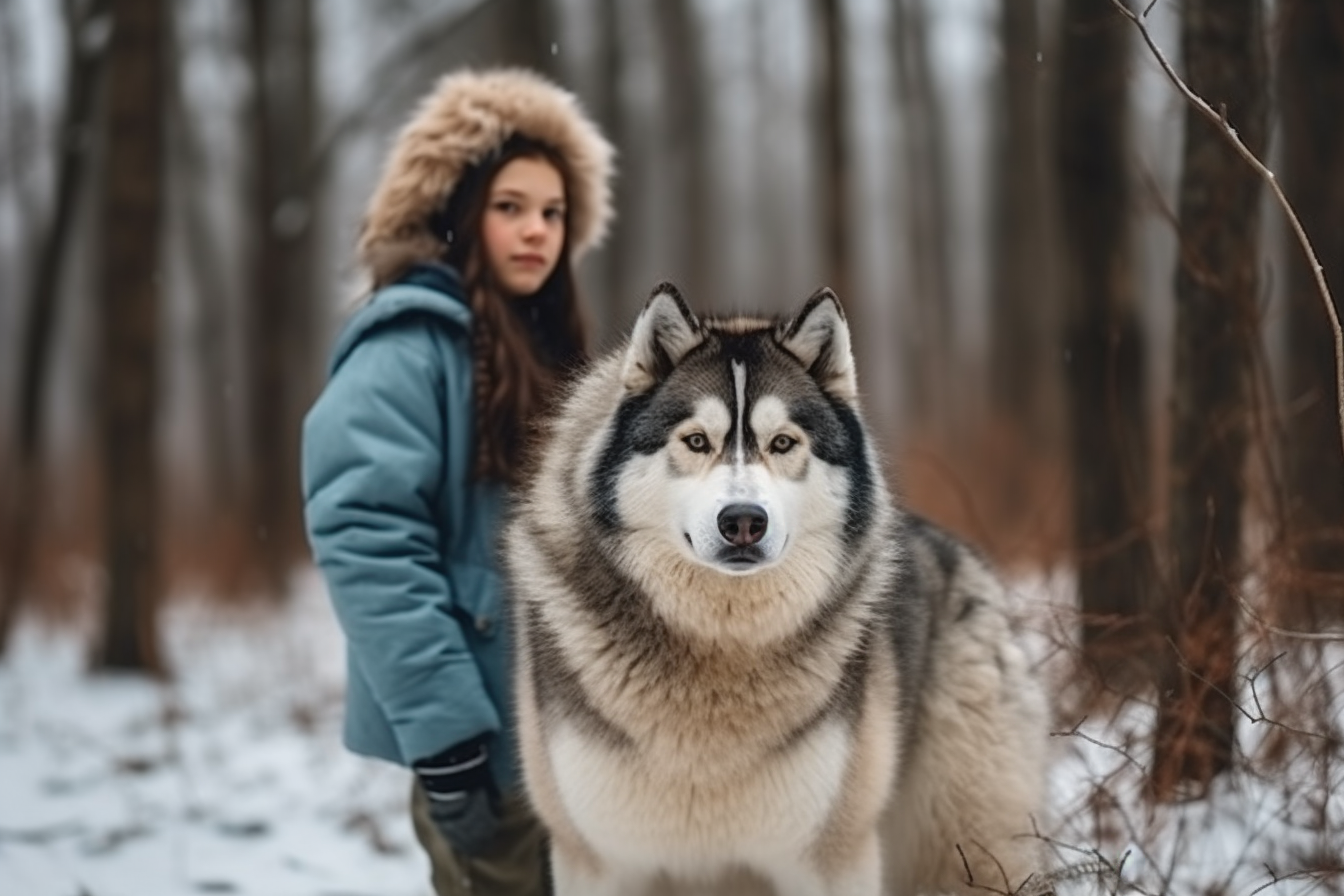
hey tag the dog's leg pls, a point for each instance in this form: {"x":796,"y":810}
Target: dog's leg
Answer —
{"x":862,"y":874}
{"x":858,"y":874}
{"x":576,"y":874}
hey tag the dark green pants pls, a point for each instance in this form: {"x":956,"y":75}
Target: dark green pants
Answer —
{"x":515,"y":865}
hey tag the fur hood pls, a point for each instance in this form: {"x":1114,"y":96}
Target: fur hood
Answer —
{"x":467,"y":115}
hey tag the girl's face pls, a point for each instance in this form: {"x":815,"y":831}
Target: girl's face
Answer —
{"x":523,"y":229}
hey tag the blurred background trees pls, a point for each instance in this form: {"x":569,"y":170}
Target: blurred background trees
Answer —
{"x":1310,"y":54}
{"x":1104,"y":343}
{"x":1216,"y":343}
{"x":1079,"y":341}
{"x":128,"y":296}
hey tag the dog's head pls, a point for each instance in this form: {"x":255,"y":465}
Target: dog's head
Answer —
{"x":738,"y":440}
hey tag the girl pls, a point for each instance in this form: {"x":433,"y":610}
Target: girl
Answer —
{"x":491,"y":192}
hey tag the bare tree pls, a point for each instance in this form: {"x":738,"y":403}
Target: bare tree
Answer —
{"x":617,"y":290}
{"x":398,"y":76}
{"x":281,"y":57}
{"x":86,"y":27}
{"x":208,"y":286}
{"x":294,"y":225}
{"x":294,"y":82}
{"x":17,"y":113}
{"x":1216,"y":330}
{"x":130,"y":216}
{"x":1103,"y":347}
{"x":773,"y":186}
{"x":528,"y":34}
{"x":687,"y":143}
{"x":1311,"y":93}
{"x":833,"y":120}
{"x":926,"y":339}
{"x":1021,"y":284}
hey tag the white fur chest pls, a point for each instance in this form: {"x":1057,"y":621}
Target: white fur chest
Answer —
{"x":695,"y":815}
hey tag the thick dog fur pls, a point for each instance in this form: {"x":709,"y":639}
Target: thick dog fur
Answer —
{"x":736,"y":652}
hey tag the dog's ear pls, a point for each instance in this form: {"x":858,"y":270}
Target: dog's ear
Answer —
{"x":819,"y":338}
{"x":665,"y":331}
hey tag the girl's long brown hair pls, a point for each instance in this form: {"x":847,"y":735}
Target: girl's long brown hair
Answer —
{"x":514,"y":378}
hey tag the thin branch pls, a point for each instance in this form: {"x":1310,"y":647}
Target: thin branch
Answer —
{"x":385,"y":77}
{"x":970,"y":877}
{"x":1312,"y":874}
{"x":1254,"y":720}
{"x":1328,"y":637}
{"x":1221,"y":122}
{"x":1075,"y":732}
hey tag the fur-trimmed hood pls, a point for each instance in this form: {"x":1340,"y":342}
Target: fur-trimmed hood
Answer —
{"x":467,"y":115}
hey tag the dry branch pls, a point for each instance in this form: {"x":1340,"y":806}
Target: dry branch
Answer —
{"x":1284,"y":632}
{"x":1219,"y":120}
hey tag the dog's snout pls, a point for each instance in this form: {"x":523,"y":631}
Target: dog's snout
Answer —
{"x":743,"y":524}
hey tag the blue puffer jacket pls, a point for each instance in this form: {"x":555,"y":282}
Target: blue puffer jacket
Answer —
{"x":403,"y":535}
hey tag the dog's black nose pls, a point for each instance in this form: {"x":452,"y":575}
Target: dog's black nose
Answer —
{"x":743,"y":524}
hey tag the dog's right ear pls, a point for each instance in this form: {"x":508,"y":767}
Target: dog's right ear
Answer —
{"x":665,"y":331}
{"x":819,"y":338}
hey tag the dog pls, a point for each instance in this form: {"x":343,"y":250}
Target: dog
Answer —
{"x":737,"y":655}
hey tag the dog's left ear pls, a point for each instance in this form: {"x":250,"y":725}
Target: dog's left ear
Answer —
{"x":819,"y":338}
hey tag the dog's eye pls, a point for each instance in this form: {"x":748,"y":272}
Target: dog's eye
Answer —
{"x":782,"y":444}
{"x":697,"y":442}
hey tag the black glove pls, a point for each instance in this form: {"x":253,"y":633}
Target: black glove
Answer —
{"x":463,"y":799}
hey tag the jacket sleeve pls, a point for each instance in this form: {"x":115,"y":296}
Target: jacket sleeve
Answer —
{"x":372,"y":463}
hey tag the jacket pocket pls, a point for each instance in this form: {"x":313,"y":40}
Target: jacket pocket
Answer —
{"x":478,"y":593}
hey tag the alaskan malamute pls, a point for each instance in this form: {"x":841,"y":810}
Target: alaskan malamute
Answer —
{"x":737,"y":655}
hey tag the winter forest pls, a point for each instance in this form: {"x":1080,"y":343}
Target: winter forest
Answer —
{"x":1092,"y":251}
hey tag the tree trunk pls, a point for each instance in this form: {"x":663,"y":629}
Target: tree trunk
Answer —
{"x":529,"y":35}
{"x":926,"y":338}
{"x":1103,"y":350}
{"x":687,"y":145}
{"x":773,"y":184}
{"x":23,"y":505}
{"x":209,"y":287}
{"x":1019,"y":305}
{"x":131,"y":214}
{"x":303,"y":364}
{"x":834,"y":161}
{"x":1311,"y":95}
{"x":17,"y":115}
{"x":1216,"y":329}
{"x":624,"y":297}
{"x":279,"y":296}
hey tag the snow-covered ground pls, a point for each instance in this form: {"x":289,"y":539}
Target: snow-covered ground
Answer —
{"x":231,"y":779}
{"x":1274,"y":824}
